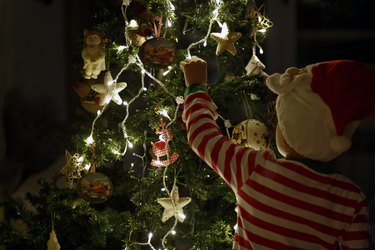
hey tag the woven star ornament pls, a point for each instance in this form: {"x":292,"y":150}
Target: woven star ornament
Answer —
{"x":225,"y":40}
{"x":173,"y":206}
{"x":109,"y":90}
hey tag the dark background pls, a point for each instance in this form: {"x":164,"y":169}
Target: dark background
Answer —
{"x":39,"y":40}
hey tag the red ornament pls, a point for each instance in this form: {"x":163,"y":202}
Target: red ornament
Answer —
{"x":161,"y":149}
{"x":157,"y":52}
{"x":95,"y":187}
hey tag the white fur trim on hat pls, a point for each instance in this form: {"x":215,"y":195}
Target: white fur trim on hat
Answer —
{"x":306,"y":121}
{"x":340,"y":143}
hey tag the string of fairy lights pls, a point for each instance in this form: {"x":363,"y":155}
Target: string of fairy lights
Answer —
{"x":109,"y":92}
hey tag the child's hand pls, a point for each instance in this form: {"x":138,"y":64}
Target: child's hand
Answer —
{"x":195,"y":71}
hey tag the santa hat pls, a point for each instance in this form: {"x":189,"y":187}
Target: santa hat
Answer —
{"x":319,"y":107}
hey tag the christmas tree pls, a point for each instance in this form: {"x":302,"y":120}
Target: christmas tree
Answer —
{"x":132,"y":181}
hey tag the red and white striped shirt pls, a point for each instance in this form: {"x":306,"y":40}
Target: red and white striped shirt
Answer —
{"x":282,"y":204}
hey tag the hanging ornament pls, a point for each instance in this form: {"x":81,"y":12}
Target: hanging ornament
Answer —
{"x":126,"y":2}
{"x":73,"y":168}
{"x":95,"y":187}
{"x":89,"y":99}
{"x":93,"y":54}
{"x":157,"y":52}
{"x":137,"y":39}
{"x":225,"y":40}
{"x":173,"y":205}
{"x":137,"y":33}
{"x":251,"y":133}
{"x":53,"y":243}
{"x":109,"y":91}
{"x":161,"y":149}
{"x":162,"y":152}
{"x":255,"y":66}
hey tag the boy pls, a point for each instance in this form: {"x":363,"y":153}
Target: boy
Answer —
{"x":297,"y":202}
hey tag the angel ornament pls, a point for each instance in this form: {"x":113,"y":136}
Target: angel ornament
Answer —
{"x":93,"y":54}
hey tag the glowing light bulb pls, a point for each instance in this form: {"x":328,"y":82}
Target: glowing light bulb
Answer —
{"x":262,"y":30}
{"x":125,"y":103}
{"x":133,"y":24}
{"x":224,"y":29}
{"x":181,"y":215}
{"x":107,"y":100}
{"x":169,"y":23}
{"x":130,"y":144}
{"x":162,"y":189}
{"x":110,"y":83}
{"x":98,"y":112}
{"x":166,"y":72}
{"x":115,"y":151}
{"x":121,"y":48}
{"x":150,"y":236}
{"x":89,"y":140}
{"x":144,"y":89}
{"x":172,"y":6}
{"x":143,"y":71}
{"x":215,"y":12}
{"x":164,"y":113}
{"x":87,"y":166}
{"x":205,"y":43}
{"x":173,"y":232}
{"x":80,"y":159}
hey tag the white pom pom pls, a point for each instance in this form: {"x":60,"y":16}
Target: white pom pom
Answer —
{"x":340,"y":144}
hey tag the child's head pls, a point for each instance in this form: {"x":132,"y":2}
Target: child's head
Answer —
{"x":319,"y":107}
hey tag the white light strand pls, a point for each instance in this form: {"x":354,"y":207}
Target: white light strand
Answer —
{"x":148,"y":243}
{"x":122,"y":124}
{"x":161,"y":84}
{"x":170,"y":17}
{"x":227,"y":124}
{"x":214,"y":19}
{"x":131,"y":60}
{"x":124,"y":8}
{"x":203,"y":40}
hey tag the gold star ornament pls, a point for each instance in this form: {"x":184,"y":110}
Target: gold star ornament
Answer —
{"x":173,"y":206}
{"x":225,"y":40}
